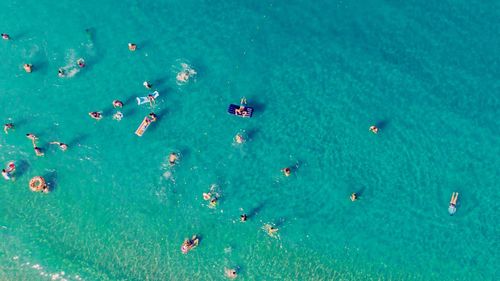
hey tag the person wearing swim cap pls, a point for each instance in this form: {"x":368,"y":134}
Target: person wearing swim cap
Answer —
{"x":453,"y":203}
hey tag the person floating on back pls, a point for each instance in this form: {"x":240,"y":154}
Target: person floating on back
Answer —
{"x":453,"y":203}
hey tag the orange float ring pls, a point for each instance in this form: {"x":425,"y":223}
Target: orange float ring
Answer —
{"x":38,"y":184}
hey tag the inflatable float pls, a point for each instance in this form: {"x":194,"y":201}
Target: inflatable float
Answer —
{"x":38,"y":184}
{"x":246,"y":112}
{"x":143,"y":100}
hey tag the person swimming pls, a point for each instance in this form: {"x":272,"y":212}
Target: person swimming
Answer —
{"x":230,"y":273}
{"x":7,"y":127}
{"x":186,"y":73}
{"x":28,"y":67}
{"x":96,"y":115}
{"x":172,"y":158}
{"x":31,"y":136}
{"x":117,"y":103}
{"x":38,"y":151}
{"x":243,"y":218}
{"x":81,"y":62}
{"x":5,"y":174}
{"x":374,"y":129}
{"x":61,"y":145}
{"x":270,"y":230}
{"x":132,"y":47}
{"x":147,"y":85}
{"x":354,"y":197}
{"x":189,"y":244}
{"x":151,"y":100}
{"x":5,"y":36}
{"x":452,"y":208}
{"x":61,"y":73}
{"x":286,"y":171}
{"x":239,"y":139}
{"x":153,"y":117}
{"x":118,"y":116}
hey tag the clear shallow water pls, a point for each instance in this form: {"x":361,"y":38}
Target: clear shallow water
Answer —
{"x":318,"y":76}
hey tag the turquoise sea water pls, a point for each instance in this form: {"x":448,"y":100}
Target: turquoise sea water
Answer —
{"x":318,"y":74}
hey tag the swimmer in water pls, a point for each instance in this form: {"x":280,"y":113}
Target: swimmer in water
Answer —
{"x":270,"y":230}
{"x":186,"y":72}
{"x":132,"y":47}
{"x":60,"y":72}
{"x":81,"y":63}
{"x":5,"y":174}
{"x":28,"y":67}
{"x":172,"y":158}
{"x":207,"y":196}
{"x":373,"y":129}
{"x":96,"y":115}
{"x":239,"y":139}
{"x":5,"y":36}
{"x":354,"y":197}
{"x":151,"y":100}
{"x":31,"y":137}
{"x":147,"y":85}
{"x":453,"y":203}
{"x":61,"y":145}
{"x":243,"y":218}
{"x":7,"y":127}
{"x":38,"y":151}
{"x":213,"y":202}
{"x":286,"y":171}
{"x":153,"y":117}
{"x":230,"y":273}
{"x":118,"y":116}
{"x":117,"y":103}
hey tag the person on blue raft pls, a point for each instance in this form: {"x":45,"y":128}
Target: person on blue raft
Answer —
{"x":453,"y":203}
{"x":242,"y":110}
